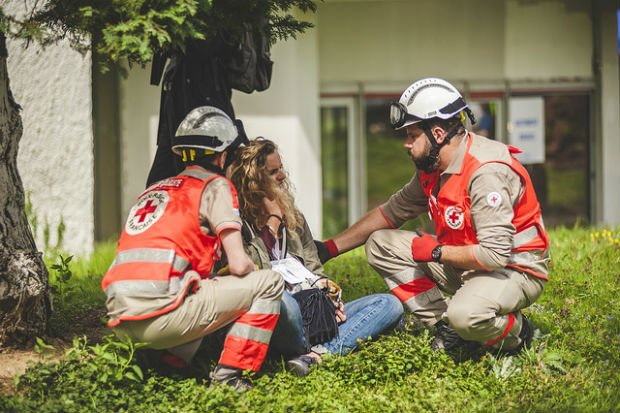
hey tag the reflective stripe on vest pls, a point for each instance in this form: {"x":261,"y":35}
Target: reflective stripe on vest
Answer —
{"x":149,"y":287}
{"x":179,"y":264}
{"x":145,"y":264}
{"x":524,"y":237}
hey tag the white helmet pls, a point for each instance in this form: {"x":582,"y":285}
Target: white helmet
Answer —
{"x":207,"y":129}
{"x":426,"y":99}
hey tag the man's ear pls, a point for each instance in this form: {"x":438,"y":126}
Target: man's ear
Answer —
{"x":220,"y":161}
{"x":439,"y":134}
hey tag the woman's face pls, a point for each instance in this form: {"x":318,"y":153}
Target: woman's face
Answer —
{"x":274,"y":168}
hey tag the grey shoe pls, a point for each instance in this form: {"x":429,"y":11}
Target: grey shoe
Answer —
{"x":446,"y":338}
{"x":300,"y":366}
{"x":230,"y":376}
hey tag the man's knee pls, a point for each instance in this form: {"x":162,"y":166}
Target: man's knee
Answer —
{"x":464,"y":319}
{"x":375,"y":246}
{"x":269,"y":284}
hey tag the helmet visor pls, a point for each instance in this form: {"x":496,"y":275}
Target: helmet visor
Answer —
{"x":399,"y":116}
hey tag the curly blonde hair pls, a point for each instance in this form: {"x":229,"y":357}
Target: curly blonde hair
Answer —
{"x":249,"y":175}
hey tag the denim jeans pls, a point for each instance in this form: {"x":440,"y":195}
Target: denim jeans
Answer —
{"x":366,"y":317}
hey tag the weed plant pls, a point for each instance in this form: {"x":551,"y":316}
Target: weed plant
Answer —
{"x":573,"y":366}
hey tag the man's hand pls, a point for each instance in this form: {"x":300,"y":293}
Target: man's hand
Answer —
{"x":327,"y":250}
{"x":422,"y":247}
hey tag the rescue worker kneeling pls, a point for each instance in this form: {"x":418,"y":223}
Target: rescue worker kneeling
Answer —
{"x":160,"y":289}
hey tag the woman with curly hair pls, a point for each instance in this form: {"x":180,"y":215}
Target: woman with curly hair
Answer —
{"x":278,"y":236}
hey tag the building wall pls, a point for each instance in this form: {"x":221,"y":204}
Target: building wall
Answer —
{"x":548,"y":40}
{"x":139,"y":103}
{"x":473,"y":40}
{"x":55,"y":158}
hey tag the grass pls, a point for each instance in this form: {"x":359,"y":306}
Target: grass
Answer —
{"x":574,"y":365}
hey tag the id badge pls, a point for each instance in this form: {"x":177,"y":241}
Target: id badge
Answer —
{"x":291,"y":270}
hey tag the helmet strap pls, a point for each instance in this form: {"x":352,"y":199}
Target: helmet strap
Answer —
{"x":431,"y":163}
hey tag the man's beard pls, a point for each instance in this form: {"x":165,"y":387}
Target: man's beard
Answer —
{"x":429,"y":162}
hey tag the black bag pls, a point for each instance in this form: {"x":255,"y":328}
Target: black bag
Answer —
{"x":194,"y":78}
{"x":318,"y":314}
{"x":249,"y":66}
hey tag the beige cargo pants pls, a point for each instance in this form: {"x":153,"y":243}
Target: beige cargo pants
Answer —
{"x":251,"y":302}
{"x":479,"y":305}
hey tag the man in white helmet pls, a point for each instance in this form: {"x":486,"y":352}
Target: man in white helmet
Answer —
{"x":161,"y":288}
{"x":489,"y":258}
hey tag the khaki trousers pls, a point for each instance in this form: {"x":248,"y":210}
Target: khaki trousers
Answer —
{"x":217,"y":302}
{"x":479,"y":305}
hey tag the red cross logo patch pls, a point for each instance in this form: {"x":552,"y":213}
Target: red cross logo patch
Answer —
{"x":494,"y":199}
{"x":454,"y":217}
{"x":146,"y":212}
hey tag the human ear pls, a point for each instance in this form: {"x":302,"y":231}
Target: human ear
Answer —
{"x":221,"y":160}
{"x":439,"y":134}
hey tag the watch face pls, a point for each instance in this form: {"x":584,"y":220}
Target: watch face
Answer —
{"x":436,"y":253}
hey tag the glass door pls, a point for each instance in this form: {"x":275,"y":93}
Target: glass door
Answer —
{"x":341,"y":165}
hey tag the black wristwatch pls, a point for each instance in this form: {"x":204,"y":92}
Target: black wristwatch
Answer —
{"x":436,"y":254}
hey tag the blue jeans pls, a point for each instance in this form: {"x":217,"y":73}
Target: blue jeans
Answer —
{"x":366,"y":317}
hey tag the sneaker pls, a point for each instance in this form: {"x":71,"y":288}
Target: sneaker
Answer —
{"x":446,"y":338}
{"x":527,"y":332}
{"x":300,"y":366}
{"x":230,"y":376}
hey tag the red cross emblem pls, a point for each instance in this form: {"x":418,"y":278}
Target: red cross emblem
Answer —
{"x":494,"y":199}
{"x":146,"y":212}
{"x":454,"y":217}
{"x":147,"y":209}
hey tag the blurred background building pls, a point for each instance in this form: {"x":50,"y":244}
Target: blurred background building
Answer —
{"x":543,"y":74}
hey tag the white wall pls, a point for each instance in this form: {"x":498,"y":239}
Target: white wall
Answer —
{"x":548,"y":40}
{"x":55,"y":158}
{"x":139,"y":102}
{"x":473,"y":40}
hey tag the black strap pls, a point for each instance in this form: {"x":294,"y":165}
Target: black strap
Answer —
{"x":193,"y":140}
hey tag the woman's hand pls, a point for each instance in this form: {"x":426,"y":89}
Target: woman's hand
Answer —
{"x":341,"y":317}
{"x":272,"y":207}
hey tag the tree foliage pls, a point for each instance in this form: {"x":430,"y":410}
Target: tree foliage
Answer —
{"x":136,"y":30}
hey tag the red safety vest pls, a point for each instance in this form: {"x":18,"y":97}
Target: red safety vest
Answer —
{"x":160,"y":243}
{"x":450,"y":210}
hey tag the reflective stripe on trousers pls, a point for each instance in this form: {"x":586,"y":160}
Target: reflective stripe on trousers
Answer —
{"x":248,"y":339}
{"x":419,"y":293}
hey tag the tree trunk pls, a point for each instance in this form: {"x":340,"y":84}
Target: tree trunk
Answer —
{"x":25,"y":301}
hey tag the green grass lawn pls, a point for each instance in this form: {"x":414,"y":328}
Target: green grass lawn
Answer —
{"x":574,"y":365}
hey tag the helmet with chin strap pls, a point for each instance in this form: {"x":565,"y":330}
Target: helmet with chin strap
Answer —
{"x":425,"y":101}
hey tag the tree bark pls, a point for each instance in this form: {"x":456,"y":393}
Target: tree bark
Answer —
{"x":25,"y":300}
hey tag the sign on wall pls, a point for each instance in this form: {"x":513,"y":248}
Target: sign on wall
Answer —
{"x":526,"y":128}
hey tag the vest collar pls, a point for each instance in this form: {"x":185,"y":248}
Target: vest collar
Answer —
{"x":456,"y":166}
